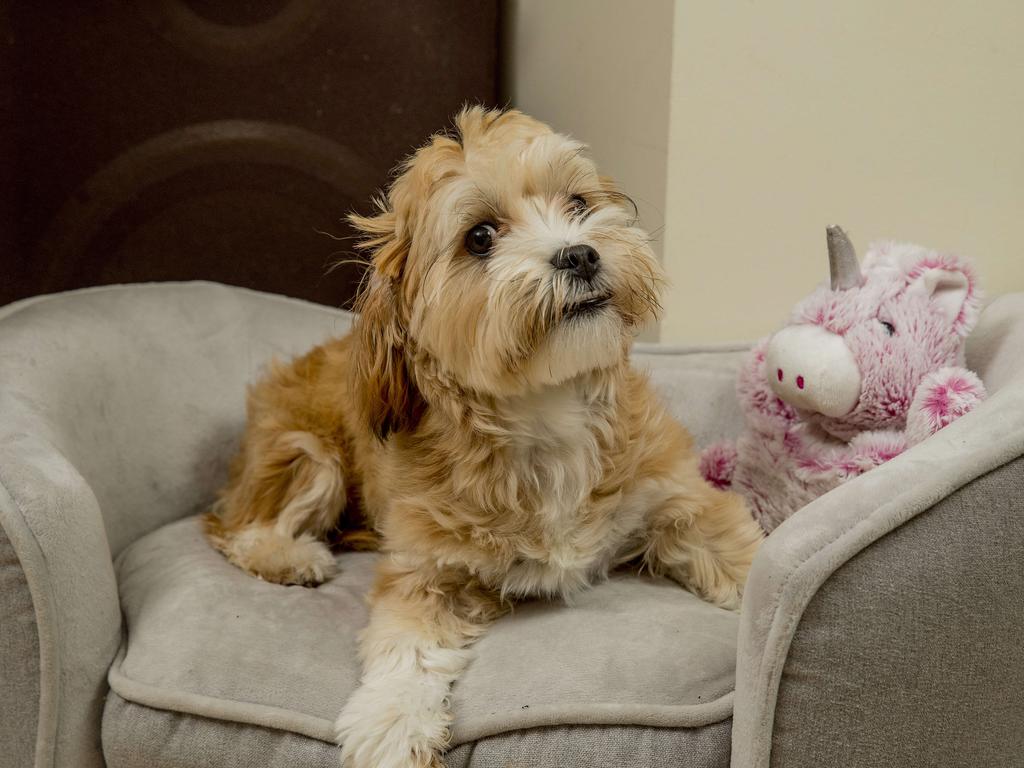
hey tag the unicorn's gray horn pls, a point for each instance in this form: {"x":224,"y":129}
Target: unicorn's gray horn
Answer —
{"x":842,"y":260}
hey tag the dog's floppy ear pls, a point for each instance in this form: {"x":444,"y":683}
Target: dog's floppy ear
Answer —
{"x":386,"y":395}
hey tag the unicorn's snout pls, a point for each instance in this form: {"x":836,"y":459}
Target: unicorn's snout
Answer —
{"x":812,"y":369}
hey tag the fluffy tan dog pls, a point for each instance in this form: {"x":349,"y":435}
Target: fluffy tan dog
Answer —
{"x":482,"y":418}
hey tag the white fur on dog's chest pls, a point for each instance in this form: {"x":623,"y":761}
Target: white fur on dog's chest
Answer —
{"x":557,"y":455}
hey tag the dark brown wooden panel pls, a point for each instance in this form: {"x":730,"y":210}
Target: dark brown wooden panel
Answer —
{"x":216,"y":139}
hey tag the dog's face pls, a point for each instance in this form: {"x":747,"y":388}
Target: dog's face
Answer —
{"x":505,"y":258}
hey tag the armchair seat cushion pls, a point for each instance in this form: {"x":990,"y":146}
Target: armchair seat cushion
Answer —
{"x":221,"y":668}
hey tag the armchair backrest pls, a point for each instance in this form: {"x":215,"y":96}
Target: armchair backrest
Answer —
{"x":142,"y":387}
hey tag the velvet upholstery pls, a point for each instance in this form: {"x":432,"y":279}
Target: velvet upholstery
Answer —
{"x":119,"y":408}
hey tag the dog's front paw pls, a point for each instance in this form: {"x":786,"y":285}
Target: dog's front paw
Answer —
{"x":719,"y":579}
{"x":722,"y":583}
{"x":393,"y":723}
{"x":720,"y":567}
{"x":727,"y":595}
{"x":279,"y":558}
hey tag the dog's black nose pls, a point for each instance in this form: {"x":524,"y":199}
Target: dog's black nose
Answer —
{"x":583,"y":260}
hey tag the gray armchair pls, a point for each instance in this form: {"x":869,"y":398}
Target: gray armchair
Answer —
{"x":881,"y":625}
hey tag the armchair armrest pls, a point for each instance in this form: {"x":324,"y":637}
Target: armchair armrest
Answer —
{"x":119,"y":408}
{"x":60,"y":622}
{"x":881,"y":623}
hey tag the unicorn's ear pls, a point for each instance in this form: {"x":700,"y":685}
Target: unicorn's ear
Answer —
{"x":951,"y":291}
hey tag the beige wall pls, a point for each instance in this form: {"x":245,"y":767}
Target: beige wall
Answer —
{"x":897,"y":120}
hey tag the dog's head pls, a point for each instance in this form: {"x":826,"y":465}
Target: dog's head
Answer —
{"x":503,"y":259}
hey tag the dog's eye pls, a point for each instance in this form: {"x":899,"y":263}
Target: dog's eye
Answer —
{"x":579,"y":205}
{"x":480,"y":239}
{"x":890,"y":329}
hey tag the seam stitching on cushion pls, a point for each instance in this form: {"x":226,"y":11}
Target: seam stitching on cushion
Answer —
{"x":718,"y":710}
{"x":472,"y":742}
{"x":157,"y":697}
{"x":137,"y":701}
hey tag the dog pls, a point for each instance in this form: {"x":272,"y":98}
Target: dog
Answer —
{"x":481,"y":422}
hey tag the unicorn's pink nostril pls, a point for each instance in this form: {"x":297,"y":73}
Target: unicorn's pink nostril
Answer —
{"x":800,"y":382}
{"x":779,"y":374}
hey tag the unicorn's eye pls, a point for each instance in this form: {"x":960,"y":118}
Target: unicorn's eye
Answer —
{"x":890,"y":329}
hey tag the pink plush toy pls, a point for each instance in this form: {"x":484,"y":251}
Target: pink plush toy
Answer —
{"x":866,"y":368}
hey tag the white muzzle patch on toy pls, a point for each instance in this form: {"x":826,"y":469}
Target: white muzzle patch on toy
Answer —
{"x":813,"y":370}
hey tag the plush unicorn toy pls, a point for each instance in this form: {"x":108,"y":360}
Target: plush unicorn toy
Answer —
{"x":867,"y":367}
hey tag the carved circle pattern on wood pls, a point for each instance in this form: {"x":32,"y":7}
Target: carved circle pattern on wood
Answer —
{"x":106,"y":88}
{"x":217,"y":200}
{"x":233,"y":43}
